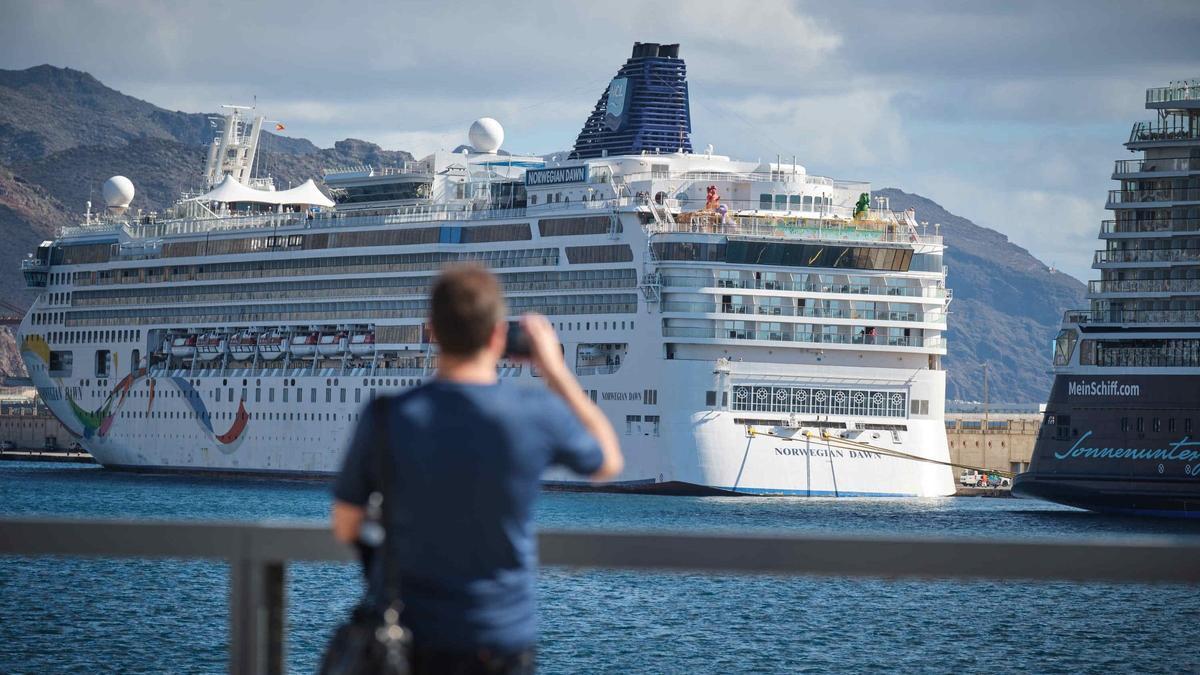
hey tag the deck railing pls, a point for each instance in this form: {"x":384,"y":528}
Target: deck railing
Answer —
{"x":258,"y":554}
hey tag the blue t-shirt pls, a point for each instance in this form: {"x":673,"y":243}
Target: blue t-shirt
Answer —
{"x":467,"y":462}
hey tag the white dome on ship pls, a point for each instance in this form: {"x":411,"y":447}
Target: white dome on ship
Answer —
{"x":118,"y":192}
{"x":486,"y":135}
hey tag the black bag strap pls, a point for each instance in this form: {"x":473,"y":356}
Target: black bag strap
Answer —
{"x":384,"y":466}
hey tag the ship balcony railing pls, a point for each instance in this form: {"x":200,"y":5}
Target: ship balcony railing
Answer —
{"x":859,"y":338}
{"x":783,"y":175}
{"x":1178,"y":92}
{"x":1171,"y":130}
{"x":409,"y":168}
{"x":1127,"y":316}
{"x":603,"y":369}
{"x":1160,"y":165}
{"x":32,"y":264}
{"x":682,"y":281}
{"x":819,"y":229}
{"x":1162,"y":225}
{"x":1161,"y":195}
{"x":1125,"y":286}
{"x":805,"y":312}
{"x":1147,"y":256}
{"x":423,"y":213}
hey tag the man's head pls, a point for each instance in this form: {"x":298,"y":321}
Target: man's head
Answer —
{"x":467,"y":311}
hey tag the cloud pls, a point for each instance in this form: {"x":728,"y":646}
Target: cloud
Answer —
{"x":1008,"y":113}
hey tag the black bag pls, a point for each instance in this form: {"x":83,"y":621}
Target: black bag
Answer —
{"x":372,"y":641}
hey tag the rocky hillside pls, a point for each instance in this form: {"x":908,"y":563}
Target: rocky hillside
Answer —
{"x":62,"y":133}
{"x":1006,"y":309}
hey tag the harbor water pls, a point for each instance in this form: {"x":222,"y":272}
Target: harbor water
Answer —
{"x":156,"y":616}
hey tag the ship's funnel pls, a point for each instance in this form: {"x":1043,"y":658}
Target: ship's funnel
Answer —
{"x":644,"y":109}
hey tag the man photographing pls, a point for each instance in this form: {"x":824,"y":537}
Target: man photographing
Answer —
{"x":467,"y":453}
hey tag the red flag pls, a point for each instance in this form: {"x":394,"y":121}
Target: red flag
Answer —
{"x":279,"y":126}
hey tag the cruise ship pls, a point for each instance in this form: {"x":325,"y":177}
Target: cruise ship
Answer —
{"x":1121,"y":431}
{"x":748,"y":327}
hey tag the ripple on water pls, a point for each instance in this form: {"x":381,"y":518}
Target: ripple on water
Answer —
{"x":151,"y":616}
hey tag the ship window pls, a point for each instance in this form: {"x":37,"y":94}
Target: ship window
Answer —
{"x":1124,"y":424}
{"x":781,"y":202}
{"x":1140,"y":425}
{"x":1187,"y":425}
{"x":764,"y":202}
{"x":1064,"y":346}
{"x":1171,"y":425}
{"x":1156,"y":424}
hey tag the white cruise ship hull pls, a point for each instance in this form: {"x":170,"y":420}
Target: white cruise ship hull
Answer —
{"x":176,"y":421}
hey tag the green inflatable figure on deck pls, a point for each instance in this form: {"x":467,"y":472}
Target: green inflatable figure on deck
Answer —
{"x":860,"y":209}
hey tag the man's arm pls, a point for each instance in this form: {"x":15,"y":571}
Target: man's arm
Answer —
{"x":548,"y":357}
{"x":347,"y":521}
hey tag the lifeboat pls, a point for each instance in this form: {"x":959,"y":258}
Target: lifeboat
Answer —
{"x":184,"y":346}
{"x":304,"y":345}
{"x":332,"y":344}
{"x":210,"y":346}
{"x":271,"y":345}
{"x":363,"y":344}
{"x":243,"y":346}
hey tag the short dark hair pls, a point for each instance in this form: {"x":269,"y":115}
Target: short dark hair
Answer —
{"x":464,"y":308}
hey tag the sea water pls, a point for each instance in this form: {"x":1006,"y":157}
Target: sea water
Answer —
{"x":168,"y":616}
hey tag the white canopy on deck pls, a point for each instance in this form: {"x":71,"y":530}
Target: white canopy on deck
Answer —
{"x":230,"y":190}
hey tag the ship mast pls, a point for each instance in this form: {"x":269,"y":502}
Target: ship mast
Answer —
{"x":233,"y":148}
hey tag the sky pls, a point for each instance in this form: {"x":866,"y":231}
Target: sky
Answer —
{"x":1007,"y":113}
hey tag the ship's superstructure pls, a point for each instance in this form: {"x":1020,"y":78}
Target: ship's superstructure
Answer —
{"x":1121,"y":427}
{"x":748,"y":327}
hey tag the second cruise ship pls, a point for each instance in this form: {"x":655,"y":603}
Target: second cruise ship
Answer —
{"x":1121,"y":431}
{"x":747,"y":326}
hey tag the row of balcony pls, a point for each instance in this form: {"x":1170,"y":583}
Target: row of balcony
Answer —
{"x":1145,"y":286}
{"x":1149,"y":226}
{"x":1160,"y":165}
{"x":1147,"y":255}
{"x":1179,"y":92}
{"x":1159,"y":195}
{"x":680,"y":281}
{"x":861,"y":338}
{"x":1170,"y":130}
{"x":810,"y":312}
{"x":1123,"y":316}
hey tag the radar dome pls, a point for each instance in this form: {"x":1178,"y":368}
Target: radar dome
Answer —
{"x":118,"y":192}
{"x":486,"y":135}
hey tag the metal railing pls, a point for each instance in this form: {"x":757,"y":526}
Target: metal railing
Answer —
{"x":1188,"y":316}
{"x":780,"y":335}
{"x":258,"y":554}
{"x":1149,"y":226}
{"x":683,"y":281}
{"x":817,"y":229}
{"x":793,"y":311}
{"x":1159,"y":195}
{"x":1172,"y":130}
{"x":1186,"y":90}
{"x":1147,"y":255}
{"x":1157,"y":165}
{"x":1145,"y":286}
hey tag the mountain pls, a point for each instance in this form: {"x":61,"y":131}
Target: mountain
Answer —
{"x":63,"y":133}
{"x":1006,"y":309}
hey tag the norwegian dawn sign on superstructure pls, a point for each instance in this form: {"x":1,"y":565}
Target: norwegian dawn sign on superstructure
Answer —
{"x":748,"y":327}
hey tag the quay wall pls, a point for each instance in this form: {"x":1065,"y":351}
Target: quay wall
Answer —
{"x":29,"y":430}
{"x":1001,"y":441}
